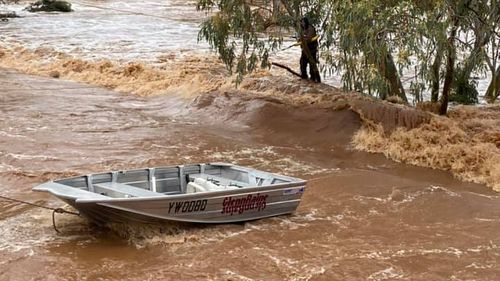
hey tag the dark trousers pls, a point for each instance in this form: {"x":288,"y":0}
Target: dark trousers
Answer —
{"x":314,"y":71}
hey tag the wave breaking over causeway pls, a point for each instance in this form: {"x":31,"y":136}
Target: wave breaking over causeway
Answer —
{"x":467,"y":142}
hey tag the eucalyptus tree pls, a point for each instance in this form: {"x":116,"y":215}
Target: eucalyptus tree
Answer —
{"x":370,"y":43}
{"x":244,"y":32}
{"x":479,"y":45}
{"x":486,"y":27}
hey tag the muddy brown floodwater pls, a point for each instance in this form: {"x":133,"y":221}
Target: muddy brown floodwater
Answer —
{"x":363,"y":217}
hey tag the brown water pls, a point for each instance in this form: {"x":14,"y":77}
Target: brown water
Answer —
{"x":363,"y":217}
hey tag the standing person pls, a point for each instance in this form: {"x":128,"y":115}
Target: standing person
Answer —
{"x":309,"y":44}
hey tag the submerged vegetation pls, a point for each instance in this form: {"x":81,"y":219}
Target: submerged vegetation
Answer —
{"x":370,"y":43}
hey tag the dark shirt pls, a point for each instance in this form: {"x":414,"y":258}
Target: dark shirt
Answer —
{"x":308,"y":38}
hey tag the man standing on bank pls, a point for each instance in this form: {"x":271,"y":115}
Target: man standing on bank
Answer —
{"x":309,"y":44}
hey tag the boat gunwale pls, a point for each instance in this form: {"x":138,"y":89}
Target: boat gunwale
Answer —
{"x":224,"y":164}
{"x":292,"y":182}
{"x":210,"y":194}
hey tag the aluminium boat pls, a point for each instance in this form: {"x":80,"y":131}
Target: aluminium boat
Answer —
{"x":196,"y":193}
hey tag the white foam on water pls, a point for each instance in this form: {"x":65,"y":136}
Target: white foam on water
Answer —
{"x":476,"y":265}
{"x":314,"y":215}
{"x":376,"y":255}
{"x":143,"y":236}
{"x":309,"y":272}
{"x":296,"y":269}
{"x":482,"y":248}
{"x":492,"y":197}
{"x":362,"y":198}
{"x":409,"y":252}
{"x":92,"y":33}
{"x":230,"y":234}
{"x":487,"y":220}
{"x":32,"y":229}
{"x":231,"y":275}
{"x":31,"y":157}
{"x":400,"y":196}
{"x":7,"y":168}
{"x":265,"y":158}
{"x":17,"y":136}
{"x":173,"y":236}
{"x":450,"y":251}
{"x":386,"y":274}
{"x":291,"y":225}
{"x":436,"y":188}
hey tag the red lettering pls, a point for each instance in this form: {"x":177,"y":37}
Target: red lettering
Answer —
{"x":241,"y":205}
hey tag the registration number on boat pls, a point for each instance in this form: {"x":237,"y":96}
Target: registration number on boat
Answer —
{"x":187,"y":206}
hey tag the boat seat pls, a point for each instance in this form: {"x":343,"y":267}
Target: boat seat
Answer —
{"x":259,"y":179}
{"x":65,"y":191}
{"x":203,"y":185}
{"x":127,"y":189}
{"x":193,"y":187}
{"x":221,"y":181}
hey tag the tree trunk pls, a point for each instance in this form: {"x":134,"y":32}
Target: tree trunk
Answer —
{"x":450,"y":67}
{"x":482,"y":38}
{"x":435,"y":75}
{"x":448,"y":79}
{"x":388,"y":69}
{"x":482,"y":33}
{"x":494,"y":88}
{"x":276,"y":8}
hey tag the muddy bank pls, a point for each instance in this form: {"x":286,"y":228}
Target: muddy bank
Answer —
{"x":465,"y":143}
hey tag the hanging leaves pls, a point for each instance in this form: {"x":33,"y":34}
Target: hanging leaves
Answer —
{"x":369,"y":43}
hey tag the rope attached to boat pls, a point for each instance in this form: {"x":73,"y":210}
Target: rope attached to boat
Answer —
{"x":54,"y":210}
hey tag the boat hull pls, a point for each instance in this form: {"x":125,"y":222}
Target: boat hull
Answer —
{"x":195,"y":193}
{"x":213,"y":207}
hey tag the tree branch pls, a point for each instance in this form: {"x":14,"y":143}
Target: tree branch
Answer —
{"x":286,"y":68}
{"x":492,"y":28}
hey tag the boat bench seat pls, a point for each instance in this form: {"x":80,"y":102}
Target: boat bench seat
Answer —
{"x":127,"y":189}
{"x":68,"y":191}
{"x":220,"y":180}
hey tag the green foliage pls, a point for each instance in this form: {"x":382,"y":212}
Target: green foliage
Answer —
{"x":464,"y":90}
{"x":236,"y":33}
{"x":369,"y":43}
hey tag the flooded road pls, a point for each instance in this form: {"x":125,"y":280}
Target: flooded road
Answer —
{"x":363,"y":217}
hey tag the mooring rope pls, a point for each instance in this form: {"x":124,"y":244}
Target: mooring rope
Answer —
{"x":54,"y":210}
